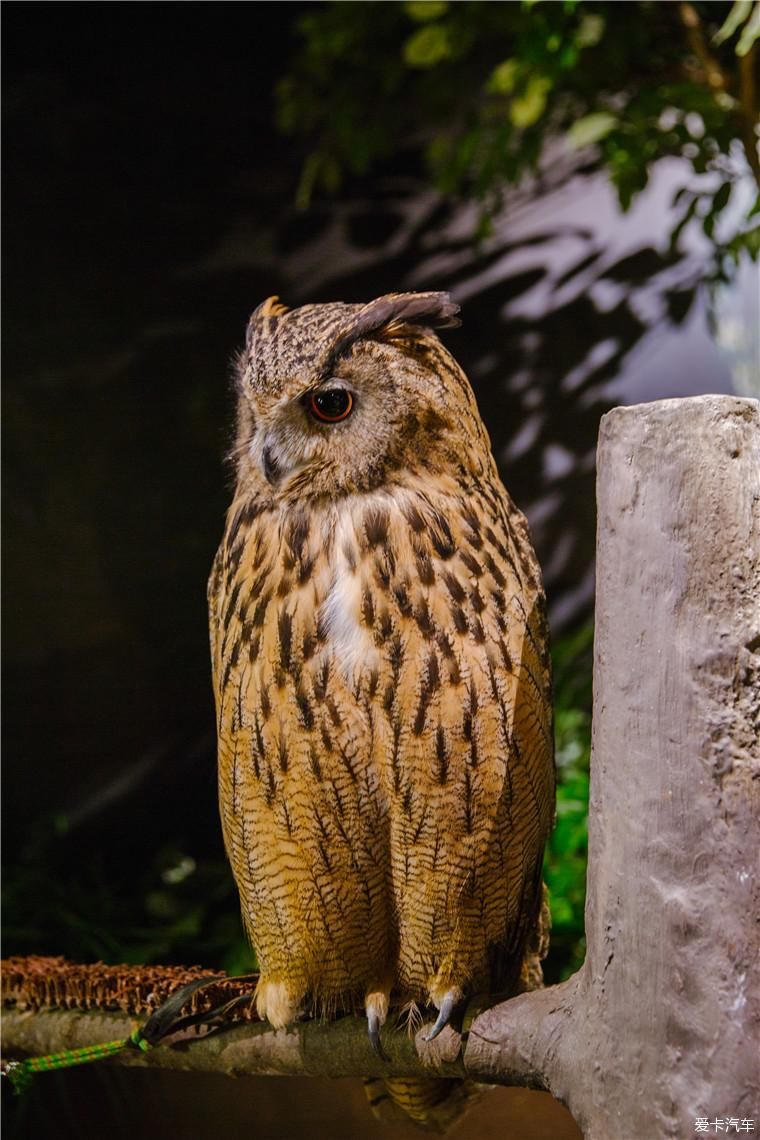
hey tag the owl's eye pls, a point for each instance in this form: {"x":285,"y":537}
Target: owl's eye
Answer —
{"x":330,"y":405}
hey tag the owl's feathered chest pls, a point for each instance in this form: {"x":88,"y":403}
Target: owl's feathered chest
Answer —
{"x":302,"y":588}
{"x":403,"y":591}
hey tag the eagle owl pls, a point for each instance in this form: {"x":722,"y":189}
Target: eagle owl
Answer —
{"x":386,"y":776}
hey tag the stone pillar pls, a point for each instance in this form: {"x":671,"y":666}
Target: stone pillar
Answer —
{"x":660,"y":1026}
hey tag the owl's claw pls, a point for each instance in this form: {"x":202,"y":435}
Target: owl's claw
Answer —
{"x":373,"y":1029}
{"x":448,"y":1005}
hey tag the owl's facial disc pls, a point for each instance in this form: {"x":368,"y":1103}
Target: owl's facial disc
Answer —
{"x":301,"y":429}
{"x":371,"y":411}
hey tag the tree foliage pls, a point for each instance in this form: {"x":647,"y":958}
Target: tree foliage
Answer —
{"x":485,"y":93}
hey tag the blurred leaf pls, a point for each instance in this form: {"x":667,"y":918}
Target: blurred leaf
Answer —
{"x":427,"y":46}
{"x":504,"y":77}
{"x":527,"y":109}
{"x":750,"y":33}
{"x":736,"y":17}
{"x":590,"y":29}
{"x":591,"y":128}
{"x":568,"y":57}
{"x":750,"y":240}
{"x":562,"y":912}
{"x":423,"y":10}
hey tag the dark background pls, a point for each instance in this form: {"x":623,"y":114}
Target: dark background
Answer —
{"x":148,"y":208}
{"x":131,"y":137}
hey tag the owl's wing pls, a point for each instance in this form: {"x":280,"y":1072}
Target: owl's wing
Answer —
{"x":226,"y":583}
{"x":468,"y":739}
{"x":214,"y":593}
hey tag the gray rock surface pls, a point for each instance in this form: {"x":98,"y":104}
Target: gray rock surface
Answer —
{"x":660,"y":1026}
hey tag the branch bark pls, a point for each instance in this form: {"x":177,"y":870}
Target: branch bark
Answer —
{"x":713,"y":77}
{"x":657,"y":1027}
{"x":310,"y":1049}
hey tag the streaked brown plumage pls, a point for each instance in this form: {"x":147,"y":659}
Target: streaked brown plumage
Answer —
{"x":380,"y":664}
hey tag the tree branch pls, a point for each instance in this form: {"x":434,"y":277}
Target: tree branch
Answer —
{"x":338,"y":1048}
{"x":712,"y":76}
{"x":749,"y":111}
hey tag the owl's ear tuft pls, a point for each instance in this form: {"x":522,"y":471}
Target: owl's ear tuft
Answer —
{"x":272,"y":307}
{"x":267,"y":310}
{"x":396,"y":310}
{"x":434,"y":310}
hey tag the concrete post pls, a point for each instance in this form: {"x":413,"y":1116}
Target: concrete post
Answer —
{"x":660,"y":1026}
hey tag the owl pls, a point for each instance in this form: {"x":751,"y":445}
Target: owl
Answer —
{"x":381,"y":672}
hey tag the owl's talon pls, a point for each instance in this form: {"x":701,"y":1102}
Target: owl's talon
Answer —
{"x":448,"y":1005}
{"x":373,"y":1030}
{"x":162,"y":1020}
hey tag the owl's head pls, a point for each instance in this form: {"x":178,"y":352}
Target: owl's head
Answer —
{"x":337,"y":398}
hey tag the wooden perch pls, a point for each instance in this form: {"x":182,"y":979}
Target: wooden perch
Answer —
{"x":656,"y":1029}
{"x":311,"y":1049}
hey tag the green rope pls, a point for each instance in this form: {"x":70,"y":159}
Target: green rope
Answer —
{"x":20,"y":1073}
{"x":162,"y":1022}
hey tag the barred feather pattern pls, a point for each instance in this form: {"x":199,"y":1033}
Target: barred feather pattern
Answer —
{"x":381,"y":673}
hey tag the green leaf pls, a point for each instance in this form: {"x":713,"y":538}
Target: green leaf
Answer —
{"x":590,"y":30}
{"x":751,"y":242}
{"x":427,"y":46}
{"x":568,"y":57}
{"x":591,"y":128}
{"x":504,"y":77}
{"x":750,"y":33}
{"x":527,"y":109}
{"x":421,"y":11}
{"x":736,"y":17}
